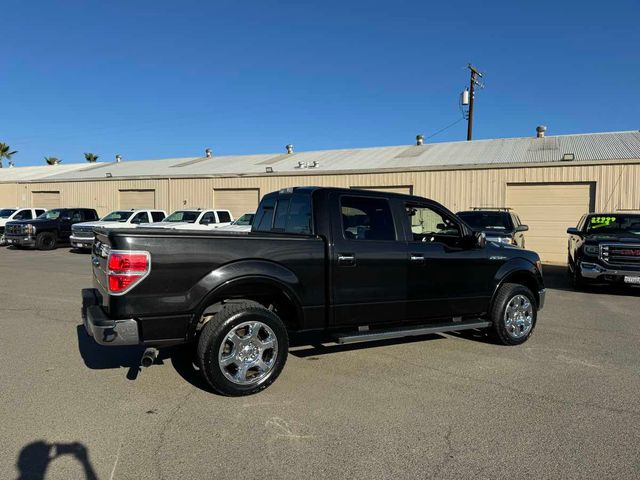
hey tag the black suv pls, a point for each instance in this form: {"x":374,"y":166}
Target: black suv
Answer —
{"x":605,"y":247}
{"x":48,"y":230}
{"x":499,"y":225}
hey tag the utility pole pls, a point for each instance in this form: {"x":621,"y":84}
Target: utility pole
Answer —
{"x":475,"y":74}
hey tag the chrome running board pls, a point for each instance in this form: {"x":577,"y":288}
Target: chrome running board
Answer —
{"x":371,"y":335}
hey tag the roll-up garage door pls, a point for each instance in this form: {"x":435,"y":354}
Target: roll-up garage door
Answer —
{"x":406,"y":189}
{"x":46,"y":200}
{"x":238,"y":200}
{"x":137,"y":199}
{"x":549,"y":209}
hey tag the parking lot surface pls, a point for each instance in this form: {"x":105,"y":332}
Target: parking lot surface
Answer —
{"x":564,"y":405}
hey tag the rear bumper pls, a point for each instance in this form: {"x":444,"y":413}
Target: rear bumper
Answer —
{"x":105,"y":330}
{"x":81,"y":242}
{"x":594,"y":271}
{"x":22,"y":240}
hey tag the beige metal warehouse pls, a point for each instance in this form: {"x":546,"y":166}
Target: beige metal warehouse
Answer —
{"x":549,"y":181}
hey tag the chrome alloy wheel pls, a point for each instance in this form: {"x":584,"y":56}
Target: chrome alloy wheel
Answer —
{"x":518,"y":316}
{"x":248,"y":353}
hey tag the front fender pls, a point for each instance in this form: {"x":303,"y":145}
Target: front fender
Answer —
{"x":518,"y":269}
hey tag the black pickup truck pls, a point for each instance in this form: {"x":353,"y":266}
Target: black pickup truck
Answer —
{"x":359,"y":265}
{"x":605,"y":248}
{"x":49,"y":230}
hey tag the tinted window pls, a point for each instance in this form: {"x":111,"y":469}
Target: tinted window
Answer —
{"x":488,"y":220}
{"x":208,"y":218}
{"x":23,"y":215}
{"x":183,"y":216}
{"x":428,"y":225}
{"x":366,"y":219}
{"x":141,"y":217}
{"x":77,"y":215}
{"x":39,"y":212}
{"x":299,"y":218}
{"x":282,"y":211}
{"x":157,"y":216}
{"x":223,"y":216}
{"x":117,"y":216}
{"x":90,"y":215}
{"x":6,"y":212}
{"x":264,"y":215}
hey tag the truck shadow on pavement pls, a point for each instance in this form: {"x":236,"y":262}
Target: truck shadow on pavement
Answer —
{"x":34,"y":459}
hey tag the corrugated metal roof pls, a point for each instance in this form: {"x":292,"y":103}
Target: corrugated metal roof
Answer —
{"x":526,"y":150}
{"x":18,"y":174}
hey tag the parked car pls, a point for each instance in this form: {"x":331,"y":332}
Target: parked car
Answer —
{"x":49,"y":230}
{"x":196,"y":219}
{"x":242,"y":224}
{"x":498,"y":224}
{"x":362,"y":265}
{"x":605,"y":247}
{"x":14,"y":214}
{"x":82,"y":233}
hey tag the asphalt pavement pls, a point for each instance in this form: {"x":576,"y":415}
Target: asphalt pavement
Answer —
{"x":564,"y":405}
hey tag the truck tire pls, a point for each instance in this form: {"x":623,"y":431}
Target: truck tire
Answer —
{"x":242,"y":349}
{"x":46,"y":241}
{"x":514,"y":314}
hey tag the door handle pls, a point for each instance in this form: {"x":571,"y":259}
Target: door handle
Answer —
{"x":346,"y":259}
{"x":416,"y":258}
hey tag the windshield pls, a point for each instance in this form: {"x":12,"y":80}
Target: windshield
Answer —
{"x":607,"y":224}
{"x":245,"y":219}
{"x":488,"y":220}
{"x":6,"y":212}
{"x":182,"y":216}
{"x":52,"y":214}
{"x":117,"y":216}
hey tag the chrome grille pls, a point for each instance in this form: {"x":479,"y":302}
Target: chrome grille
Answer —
{"x":620,"y":254}
{"x":13,"y":229}
{"x":83,"y":232}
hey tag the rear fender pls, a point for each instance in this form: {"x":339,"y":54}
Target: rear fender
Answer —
{"x":232,"y":277}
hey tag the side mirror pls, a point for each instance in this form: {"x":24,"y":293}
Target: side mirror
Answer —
{"x":481,"y":239}
{"x":441,"y":226}
{"x":573,"y":231}
{"x":522,"y":228}
{"x":65,"y":218}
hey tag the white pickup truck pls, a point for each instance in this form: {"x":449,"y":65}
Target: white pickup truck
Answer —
{"x":82,"y":233}
{"x":195,"y":219}
{"x":9,"y":214}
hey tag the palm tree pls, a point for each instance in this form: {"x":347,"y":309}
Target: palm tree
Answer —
{"x":5,"y":152}
{"x":91,"y":157}
{"x":52,"y":160}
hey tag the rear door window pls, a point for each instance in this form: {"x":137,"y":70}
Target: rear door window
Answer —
{"x":157,"y":216}
{"x":264,"y":215}
{"x":223,"y":217}
{"x":299,"y":219}
{"x":366,"y":218}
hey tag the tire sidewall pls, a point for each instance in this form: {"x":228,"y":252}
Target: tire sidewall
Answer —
{"x":211,"y":367}
{"x":499,"y":322}
{"x":46,"y":241}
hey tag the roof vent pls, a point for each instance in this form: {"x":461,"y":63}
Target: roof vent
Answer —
{"x":118,"y":158}
{"x":208,"y":153}
{"x":11,"y":164}
{"x":315,"y":164}
{"x":289,"y":149}
{"x":540,"y":131}
{"x":420,"y":139}
{"x":567,"y":157}
{"x":302,"y":165}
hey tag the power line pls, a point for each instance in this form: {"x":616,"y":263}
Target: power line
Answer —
{"x":447,"y":127}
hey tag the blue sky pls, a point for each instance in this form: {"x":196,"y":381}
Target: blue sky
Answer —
{"x":158,"y":79}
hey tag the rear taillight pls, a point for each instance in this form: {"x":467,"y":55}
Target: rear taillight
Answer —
{"x":125,"y":269}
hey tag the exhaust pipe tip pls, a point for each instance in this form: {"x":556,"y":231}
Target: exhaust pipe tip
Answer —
{"x":149,"y":357}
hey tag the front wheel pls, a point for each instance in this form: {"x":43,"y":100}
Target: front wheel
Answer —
{"x":46,"y":241}
{"x":242,"y":349}
{"x":514,"y":314}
